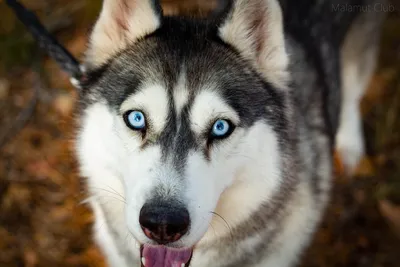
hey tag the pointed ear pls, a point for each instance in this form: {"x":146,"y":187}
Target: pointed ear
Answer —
{"x":121,"y":22}
{"x":255,"y":29}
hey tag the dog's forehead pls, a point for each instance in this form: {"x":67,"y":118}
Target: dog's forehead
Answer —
{"x":160,"y":58}
{"x":182,"y":72}
{"x":185,"y":61}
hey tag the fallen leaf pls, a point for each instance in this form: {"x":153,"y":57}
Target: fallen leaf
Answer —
{"x":30,"y":258}
{"x":365,"y":167}
{"x":64,"y":104}
{"x":392,"y":214}
{"x":4,"y":88}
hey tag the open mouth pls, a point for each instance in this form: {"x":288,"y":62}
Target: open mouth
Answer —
{"x":163,"y":256}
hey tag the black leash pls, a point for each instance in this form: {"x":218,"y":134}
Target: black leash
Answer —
{"x":47,"y":42}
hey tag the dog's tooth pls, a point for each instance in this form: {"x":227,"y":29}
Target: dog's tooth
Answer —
{"x":144,"y":261}
{"x":182,"y":265}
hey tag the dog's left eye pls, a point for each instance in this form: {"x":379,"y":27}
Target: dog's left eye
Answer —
{"x":135,"y":120}
{"x":221,"y":129}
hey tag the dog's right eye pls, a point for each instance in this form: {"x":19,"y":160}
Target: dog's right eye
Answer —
{"x":135,"y":120}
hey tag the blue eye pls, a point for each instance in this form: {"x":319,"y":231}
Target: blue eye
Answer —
{"x":221,"y":128}
{"x":135,"y":120}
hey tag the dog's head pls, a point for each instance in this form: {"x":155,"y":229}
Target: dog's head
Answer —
{"x":183,"y":121}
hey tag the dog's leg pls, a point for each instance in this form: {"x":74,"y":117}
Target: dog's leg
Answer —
{"x":358,"y":61}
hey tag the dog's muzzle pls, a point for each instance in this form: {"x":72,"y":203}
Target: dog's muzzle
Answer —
{"x":164,"y":223}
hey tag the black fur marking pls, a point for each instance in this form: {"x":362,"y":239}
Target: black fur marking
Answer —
{"x":315,"y":33}
{"x":157,"y":8}
{"x":206,"y":59}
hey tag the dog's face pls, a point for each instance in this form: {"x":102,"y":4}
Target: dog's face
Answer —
{"x":178,"y":121}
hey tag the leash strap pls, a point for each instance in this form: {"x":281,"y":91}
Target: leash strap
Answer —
{"x":47,"y":42}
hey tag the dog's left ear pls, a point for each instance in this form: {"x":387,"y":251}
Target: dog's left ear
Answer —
{"x":121,"y":22}
{"x":255,"y":29}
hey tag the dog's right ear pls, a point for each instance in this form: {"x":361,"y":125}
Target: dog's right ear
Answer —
{"x":121,"y":22}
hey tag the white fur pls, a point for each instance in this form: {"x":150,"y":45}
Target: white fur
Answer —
{"x":121,"y":22}
{"x":258,"y":25}
{"x":358,"y":62}
{"x":105,"y":239}
{"x":256,"y":175}
{"x":207,"y":107}
{"x":243,"y":173}
{"x":244,"y":170}
{"x":153,"y":101}
{"x":99,"y":153}
{"x":181,"y":94}
{"x":298,"y":227}
{"x":350,"y":139}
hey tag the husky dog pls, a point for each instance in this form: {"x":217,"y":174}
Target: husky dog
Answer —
{"x":209,"y":142}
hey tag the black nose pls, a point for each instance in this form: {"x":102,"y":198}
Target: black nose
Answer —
{"x":164,"y":223}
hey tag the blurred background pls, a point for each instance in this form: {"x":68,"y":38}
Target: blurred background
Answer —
{"x":42,"y":220}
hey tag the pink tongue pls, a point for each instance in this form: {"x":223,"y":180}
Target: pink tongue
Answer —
{"x":161,"y":256}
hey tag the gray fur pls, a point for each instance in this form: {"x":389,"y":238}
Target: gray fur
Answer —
{"x":304,"y":118}
{"x":159,"y":57}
